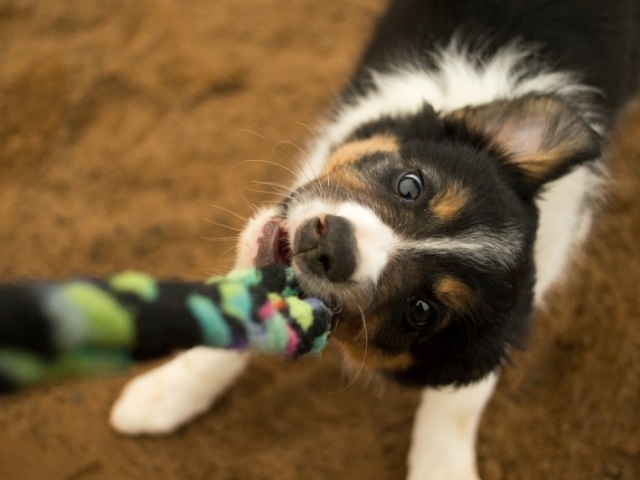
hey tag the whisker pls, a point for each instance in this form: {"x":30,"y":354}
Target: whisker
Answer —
{"x":276,"y":145}
{"x":229,"y":262}
{"x":307,"y":127}
{"x":259,"y":135}
{"x":269,"y":203}
{"x":231,"y":212}
{"x":295,"y":159}
{"x":328,"y":170}
{"x":275,"y":185}
{"x":208,"y":220}
{"x":234,"y":247}
{"x":219,"y":239}
{"x":303,"y":153}
{"x":249,"y":203}
{"x":255,"y":207}
{"x":318,"y":184}
{"x":291,"y":143}
{"x":211,"y":272}
{"x":305,"y":156}
{"x":364,"y":356}
{"x":266,"y":192}
{"x":268,"y":162}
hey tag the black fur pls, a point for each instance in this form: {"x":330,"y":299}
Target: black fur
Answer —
{"x":596,"y":40}
{"x":457,"y":348}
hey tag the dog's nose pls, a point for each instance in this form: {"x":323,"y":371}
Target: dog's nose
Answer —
{"x":327,"y":247}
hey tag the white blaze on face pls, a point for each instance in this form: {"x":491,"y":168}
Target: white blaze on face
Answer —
{"x":376,"y":242}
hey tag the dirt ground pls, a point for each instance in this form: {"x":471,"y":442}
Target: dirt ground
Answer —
{"x":128,"y":132}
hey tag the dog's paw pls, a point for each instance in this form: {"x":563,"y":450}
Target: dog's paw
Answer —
{"x":442,"y":471}
{"x":164,"y":399}
{"x":437,"y":473}
{"x":158,"y":402}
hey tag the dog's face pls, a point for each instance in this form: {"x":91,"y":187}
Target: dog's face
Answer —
{"x":420,"y":232}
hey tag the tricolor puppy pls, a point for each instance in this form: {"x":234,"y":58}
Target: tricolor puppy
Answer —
{"x":448,"y":190}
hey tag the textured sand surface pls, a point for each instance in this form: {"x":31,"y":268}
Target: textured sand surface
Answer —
{"x":122,"y":123}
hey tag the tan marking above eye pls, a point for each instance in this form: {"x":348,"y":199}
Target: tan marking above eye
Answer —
{"x":449,"y":202}
{"x":347,"y":179}
{"x":455,"y":294}
{"x":353,"y":151}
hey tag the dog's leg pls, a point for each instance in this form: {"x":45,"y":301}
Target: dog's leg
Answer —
{"x":167,"y":397}
{"x":444,"y":432}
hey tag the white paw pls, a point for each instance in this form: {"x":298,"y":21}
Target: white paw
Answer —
{"x":164,"y":399}
{"x":445,"y":430}
{"x":440,"y":470}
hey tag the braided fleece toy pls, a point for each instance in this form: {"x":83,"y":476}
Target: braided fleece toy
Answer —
{"x":80,"y":327}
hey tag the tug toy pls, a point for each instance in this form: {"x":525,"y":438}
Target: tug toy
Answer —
{"x":80,"y":327}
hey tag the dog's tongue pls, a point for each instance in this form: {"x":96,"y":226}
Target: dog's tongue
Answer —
{"x":272,"y":245}
{"x":266,"y":252}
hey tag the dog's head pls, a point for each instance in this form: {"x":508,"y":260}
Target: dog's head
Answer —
{"x":420,"y":233}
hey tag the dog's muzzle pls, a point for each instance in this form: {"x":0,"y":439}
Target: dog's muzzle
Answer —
{"x":326,"y":247}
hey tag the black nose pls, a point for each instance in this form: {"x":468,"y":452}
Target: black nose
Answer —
{"x":326,"y":246}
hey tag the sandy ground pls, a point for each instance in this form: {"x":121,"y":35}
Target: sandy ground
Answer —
{"x":128,"y":132}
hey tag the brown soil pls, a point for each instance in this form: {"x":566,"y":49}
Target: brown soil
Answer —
{"x":122,"y":123}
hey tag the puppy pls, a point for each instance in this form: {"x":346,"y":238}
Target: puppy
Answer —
{"x":451,"y":184}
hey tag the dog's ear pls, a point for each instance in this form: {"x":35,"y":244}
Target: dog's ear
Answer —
{"x":536,"y":138}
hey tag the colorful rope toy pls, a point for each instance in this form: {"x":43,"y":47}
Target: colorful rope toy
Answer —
{"x":79,"y":327}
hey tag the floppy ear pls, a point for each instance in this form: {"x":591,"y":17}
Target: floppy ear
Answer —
{"x":537,"y":138}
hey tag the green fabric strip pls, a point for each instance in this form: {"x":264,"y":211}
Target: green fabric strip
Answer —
{"x":215,"y":330}
{"x":110,"y":324}
{"x":140,"y":284}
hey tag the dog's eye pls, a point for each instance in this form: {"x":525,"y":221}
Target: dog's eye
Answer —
{"x":420,"y":313}
{"x":410,"y":187}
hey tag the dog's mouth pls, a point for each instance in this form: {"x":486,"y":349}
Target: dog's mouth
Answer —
{"x":273,"y":244}
{"x":315,"y":273}
{"x":274,"y":247}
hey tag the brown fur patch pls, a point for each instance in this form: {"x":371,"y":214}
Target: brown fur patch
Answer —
{"x":344,"y":178}
{"x":377,"y":359}
{"x":353,"y":151}
{"x":455,"y":294}
{"x":543,"y":163}
{"x":358,"y":348}
{"x":448,"y":203}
